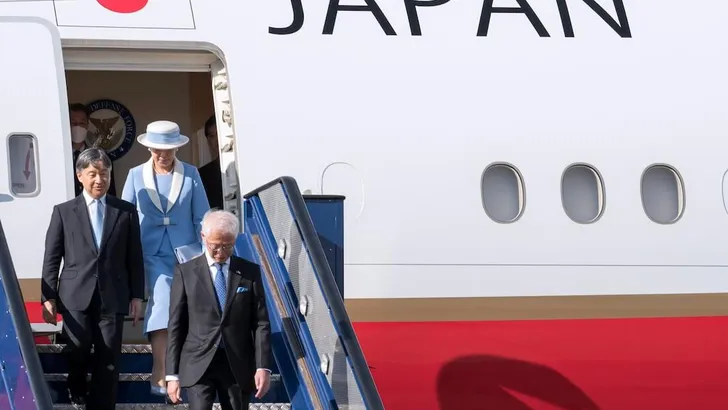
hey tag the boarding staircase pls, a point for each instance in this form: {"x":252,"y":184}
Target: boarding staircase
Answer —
{"x":298,"y":243}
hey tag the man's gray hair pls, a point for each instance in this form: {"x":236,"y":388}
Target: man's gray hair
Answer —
{"x":221,"y":221}
{"x":92,"y":156}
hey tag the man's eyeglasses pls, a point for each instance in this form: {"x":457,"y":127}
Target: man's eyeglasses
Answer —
{"x":220,"y":247}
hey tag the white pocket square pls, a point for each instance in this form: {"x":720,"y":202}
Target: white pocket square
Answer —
{"x":241,"y":289}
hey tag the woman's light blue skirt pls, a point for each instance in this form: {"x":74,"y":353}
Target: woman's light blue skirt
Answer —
{"x":159,"y":270}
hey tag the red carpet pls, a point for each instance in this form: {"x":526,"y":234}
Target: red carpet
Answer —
{"x":634,"y":364}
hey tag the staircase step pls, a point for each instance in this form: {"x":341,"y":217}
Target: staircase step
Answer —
{"x":134,"y":375}
{"x":135,"y":388}
{"x":125,"y":349}
{"x":133,"y":406}
{"x":129,"y":377}
{"x":135,"y":358}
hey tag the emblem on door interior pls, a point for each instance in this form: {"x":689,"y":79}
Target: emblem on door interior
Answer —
{"x":112,"y":126}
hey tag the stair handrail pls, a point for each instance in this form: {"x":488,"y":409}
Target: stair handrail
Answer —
{"x":21,"y":322}
{"x":330,"y":290}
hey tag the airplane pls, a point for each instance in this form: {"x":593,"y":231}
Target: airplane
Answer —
{"x":536,"y":194}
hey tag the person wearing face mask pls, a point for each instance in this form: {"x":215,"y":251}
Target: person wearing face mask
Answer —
{"x":171,"y":202}
{"x":79,"y":135}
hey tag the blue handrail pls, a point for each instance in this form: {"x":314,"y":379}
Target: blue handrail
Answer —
{"x":301,"y":345}
{"x":24,"y":383}
{"x":328,"y":286}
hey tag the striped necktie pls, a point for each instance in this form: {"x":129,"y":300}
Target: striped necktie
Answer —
{"x":220,"y":287}
{"x":221,"y":291}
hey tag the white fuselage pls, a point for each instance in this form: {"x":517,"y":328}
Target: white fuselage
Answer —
{"x":405,"y":125}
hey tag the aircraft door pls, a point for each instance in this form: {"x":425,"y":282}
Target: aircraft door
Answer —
{"x":36,"y":145}
{"x":226,"y":140}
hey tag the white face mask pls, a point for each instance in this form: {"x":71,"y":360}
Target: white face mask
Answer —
{"x":78,"y":134}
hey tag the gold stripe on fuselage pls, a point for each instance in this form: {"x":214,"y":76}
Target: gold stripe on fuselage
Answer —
{"x":514,"y":308}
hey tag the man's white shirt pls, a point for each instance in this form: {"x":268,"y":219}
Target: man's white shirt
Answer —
{"x":90,"y":204}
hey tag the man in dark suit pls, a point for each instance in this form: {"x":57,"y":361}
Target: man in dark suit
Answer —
{"x":79,"y":132}
{"x":97,"y":238}
{"x":210,"y":173}
{"x":219,"y":331}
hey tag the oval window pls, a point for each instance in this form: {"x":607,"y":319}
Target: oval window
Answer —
{"x":663,"y":194}
{"x":502,"y":193}
{"x":582,"y":193}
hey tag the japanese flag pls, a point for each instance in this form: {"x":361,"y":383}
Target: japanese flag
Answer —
{"x":171,"y":14}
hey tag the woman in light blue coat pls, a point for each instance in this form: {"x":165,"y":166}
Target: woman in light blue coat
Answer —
{"x":171,"y":202}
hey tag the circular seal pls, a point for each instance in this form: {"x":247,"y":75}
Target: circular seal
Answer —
{"x":112,"y":127}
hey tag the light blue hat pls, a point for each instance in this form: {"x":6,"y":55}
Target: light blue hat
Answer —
{"x":162,"y":135}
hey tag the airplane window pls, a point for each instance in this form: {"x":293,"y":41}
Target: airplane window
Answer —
{"x":663,"y":194}
{"x":582,"y":193}
{"x":22,"y":154}
{"x":503,"y":193}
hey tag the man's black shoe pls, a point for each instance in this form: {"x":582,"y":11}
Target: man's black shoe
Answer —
{"x":77,"y":401}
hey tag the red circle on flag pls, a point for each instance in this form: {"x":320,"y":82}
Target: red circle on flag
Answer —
{"x":124,"y":6}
